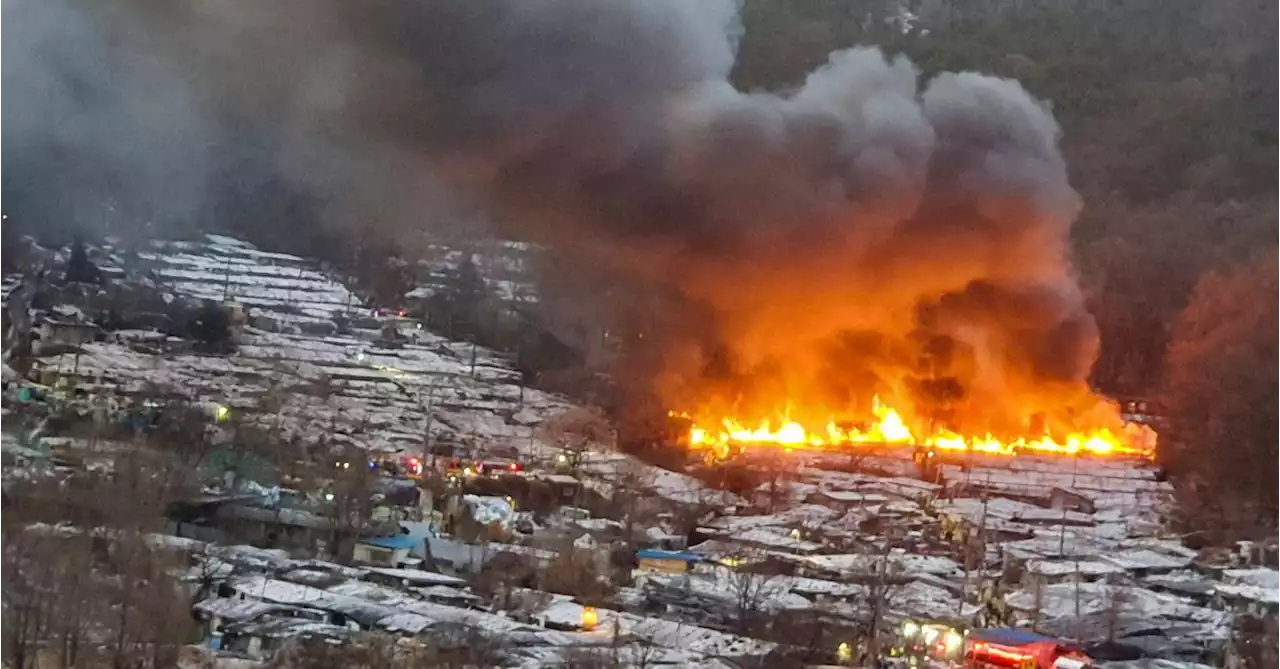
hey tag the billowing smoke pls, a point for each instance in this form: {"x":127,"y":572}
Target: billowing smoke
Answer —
{"x":93,"y":131}
{"x":865,"y":233}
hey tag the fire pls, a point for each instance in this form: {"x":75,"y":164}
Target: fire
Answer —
{"x":889,"y":428}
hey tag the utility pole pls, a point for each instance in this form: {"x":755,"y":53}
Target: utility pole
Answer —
{"x":1062,"y":527}
{"x":982,"y":543}
{"x":226,"y":278}
{"x":426,"y":430}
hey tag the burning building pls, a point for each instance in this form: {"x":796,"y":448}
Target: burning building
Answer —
{"x":874,"y":256}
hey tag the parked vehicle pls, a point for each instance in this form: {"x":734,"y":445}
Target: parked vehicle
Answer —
{"x":1020,"y":649}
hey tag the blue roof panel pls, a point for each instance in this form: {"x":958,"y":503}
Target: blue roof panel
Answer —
{"x":655,"y":554}
{"x":1010,"y":637}
{"x":394,"y":542}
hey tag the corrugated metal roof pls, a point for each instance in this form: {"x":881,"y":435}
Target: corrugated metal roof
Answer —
{"x":1010,"y":637}
{"x":654,"y":554}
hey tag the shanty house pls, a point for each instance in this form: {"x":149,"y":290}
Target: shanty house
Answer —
{"x":260,"y":640}
{"x":667,"y":562}
{"x":392,"y":551}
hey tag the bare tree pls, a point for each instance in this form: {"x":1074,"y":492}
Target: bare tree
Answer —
{"x":1254,"y":641}
{"x":348,"y":485}
{"x":752,"y":590}
{"x":148,"y":615}
{"x":632,"y":503}
{"x":502,"y":576}
{"x":1118,"y":604}
{"x":883,"y":585}
{"x":461,"y":646}
{"x":368,"y":651}
{"x":31,"y":571}
{"x":779,"y":470}
{"x":591,"y":658}
{"x":642,"y":653}
{"x":575,"y":571}
{"x":76,"y":597}
{"x":577,"y":431}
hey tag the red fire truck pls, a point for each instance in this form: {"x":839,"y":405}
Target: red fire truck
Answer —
{"x":1019,"y":649}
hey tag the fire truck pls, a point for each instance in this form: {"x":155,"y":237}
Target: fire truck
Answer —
{"x":1020,"y":649}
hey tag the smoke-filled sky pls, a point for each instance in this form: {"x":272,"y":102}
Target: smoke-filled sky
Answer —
{"x":849,"y":229}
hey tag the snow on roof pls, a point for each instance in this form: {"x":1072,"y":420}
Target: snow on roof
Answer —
{"x":1036,"y":477}
{"x":235,"y":609}
{"x":175,"y":543}
{"x":907,"y":563}
{"x":263,"y":558}
{"x":1261,"y":577}
{"x":1185,"y":581}
{"x":401,"y":602}
{"x":849,"y":496}
{"x":1111,"y":535}
{"x":1059,"y":600}
{"x":287,"y":628}
{"x":898,"y":486}
{"x":737,"y":523}
{"x":918,"y":599}
{"x":717,"y":548}
{"x":771,"y":538}
{"x":419,"y":576}
{"x":562,"y":479}
{"x":663,"y":633}
{"x":411,"y":623}
{"x":1058,"y":544}
{"x":816,"y":586}
{"x":1166,"y":546}
{"x":283,"y":516}
{"x":604,"y":468}
{"x":1054,"y":567}
{"x":1142,"y":558}
{"x":1250,"y":592}
{"x":283,"y":592}
{"x":724,"y":585}
{"x":1000,"y":508}
{"x":793,"y":491}
{"x":446,"y":593}
{"x":709,"y":642}
{"x":373,"y":604}
{"x":567,"y":613}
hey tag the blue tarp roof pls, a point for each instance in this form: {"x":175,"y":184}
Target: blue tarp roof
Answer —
{"x":1010,"y":637}
{"x":655,"y":554}
{"x":396,"y":542}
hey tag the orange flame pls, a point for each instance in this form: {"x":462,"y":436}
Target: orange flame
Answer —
{"x":889,"y":428}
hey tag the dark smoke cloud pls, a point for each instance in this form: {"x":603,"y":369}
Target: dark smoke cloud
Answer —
{"x":93,"y":131}
{"x":609,"y":131}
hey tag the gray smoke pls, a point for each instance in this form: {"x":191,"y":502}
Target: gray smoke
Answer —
{"x":94,"y":130}
{"x":609,"y":131}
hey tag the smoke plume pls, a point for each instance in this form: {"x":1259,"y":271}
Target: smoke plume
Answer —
{"x":94,"y":130}
{"x":866,"y":233}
